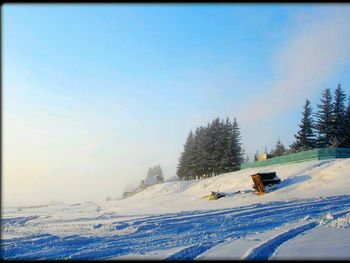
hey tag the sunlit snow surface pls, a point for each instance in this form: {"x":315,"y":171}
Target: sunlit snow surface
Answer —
{"x":181,"y":225}
{"x":195,"y":231}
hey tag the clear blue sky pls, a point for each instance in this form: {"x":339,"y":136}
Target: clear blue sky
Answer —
{"x":99,"y":93}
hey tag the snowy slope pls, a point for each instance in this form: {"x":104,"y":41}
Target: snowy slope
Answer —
{"x":309,"y":209}
{"x":300,"y":180}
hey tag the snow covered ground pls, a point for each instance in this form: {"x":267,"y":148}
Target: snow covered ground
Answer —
{"x":306,"y":217}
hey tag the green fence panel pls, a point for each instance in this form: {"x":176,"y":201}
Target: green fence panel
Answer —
{"x":328,"y":153}
{"x":316,"y":154}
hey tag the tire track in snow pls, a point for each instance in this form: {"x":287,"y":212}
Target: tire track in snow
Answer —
{"x":265,"y":250}
{"x":195,"y":231}
{"x":262,"y":252}
{"x":191,"y":252}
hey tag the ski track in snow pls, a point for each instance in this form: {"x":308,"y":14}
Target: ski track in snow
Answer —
{"x":194,"y":231}
{"x":265,"y":250}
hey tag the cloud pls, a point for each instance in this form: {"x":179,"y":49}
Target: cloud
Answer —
{"x":318,"y":46}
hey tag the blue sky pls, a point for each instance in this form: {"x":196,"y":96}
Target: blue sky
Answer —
{"x":98,"y":93}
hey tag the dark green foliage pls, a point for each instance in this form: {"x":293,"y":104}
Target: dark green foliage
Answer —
{"x":305,"y":138}
{"x":346,"y":142}
{"x":235,"y":147}
{"x":217,"y":148}
{"x":211,"y":150}
{"x":184,"y":160}
{"x":332,"y":124}
{"x":324,"y":120}
{"x":339,"y":116}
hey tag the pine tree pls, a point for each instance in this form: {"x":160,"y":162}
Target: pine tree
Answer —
{"x":222,"y":164}
{"x":346,"y":142}
{"x":305,"y":139}
{"x":211,"y":150}
{"x":339,"y":116}
{"x":226,"y":160}
{"x":183,"y":170}
{"x":279,"y":149}
{"x":199,"y":164}
{"x":324,"y":121}
{"x":215,"y":142}
{"x":235,"y":147}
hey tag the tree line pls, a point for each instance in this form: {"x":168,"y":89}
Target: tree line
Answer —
{"x":217,"y":148}
{"x":154,"y":176}
{"x":329,"y":126}
{"x":211,"y":150}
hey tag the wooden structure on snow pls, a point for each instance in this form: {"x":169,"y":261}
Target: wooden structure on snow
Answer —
{"x":261,"y":180}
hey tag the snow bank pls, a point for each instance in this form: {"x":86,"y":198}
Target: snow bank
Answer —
{"x":299,"y":180}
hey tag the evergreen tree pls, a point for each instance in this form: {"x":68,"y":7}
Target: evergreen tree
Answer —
{"x":346,"y":142}
{"x":211,"y":150}
{"x":294,"y":148}
{"x":279,"y":149}
{"x":183,"y":170}
{"x":226,"y":160}
{"x":214,"y":146}
{"x":235,"y":147}
{"x":339,"y":116}
{"x":305,"y":139}
{"x":222,"y":164}
{"x":224,"y":141}
{"x":324,"y":121}
{"x":200,"y":160}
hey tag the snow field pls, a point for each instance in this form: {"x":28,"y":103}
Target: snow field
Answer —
{"x":172,"y":221}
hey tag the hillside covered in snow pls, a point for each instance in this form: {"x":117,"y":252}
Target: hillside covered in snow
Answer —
{"x":307,"y":216}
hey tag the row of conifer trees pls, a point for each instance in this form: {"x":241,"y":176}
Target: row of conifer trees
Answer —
{"x":217,"y":148}
{"x":211,"y":150}
{"x":329,"y":126}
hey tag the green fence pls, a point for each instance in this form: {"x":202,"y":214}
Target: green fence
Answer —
{"x":316,"y":154}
